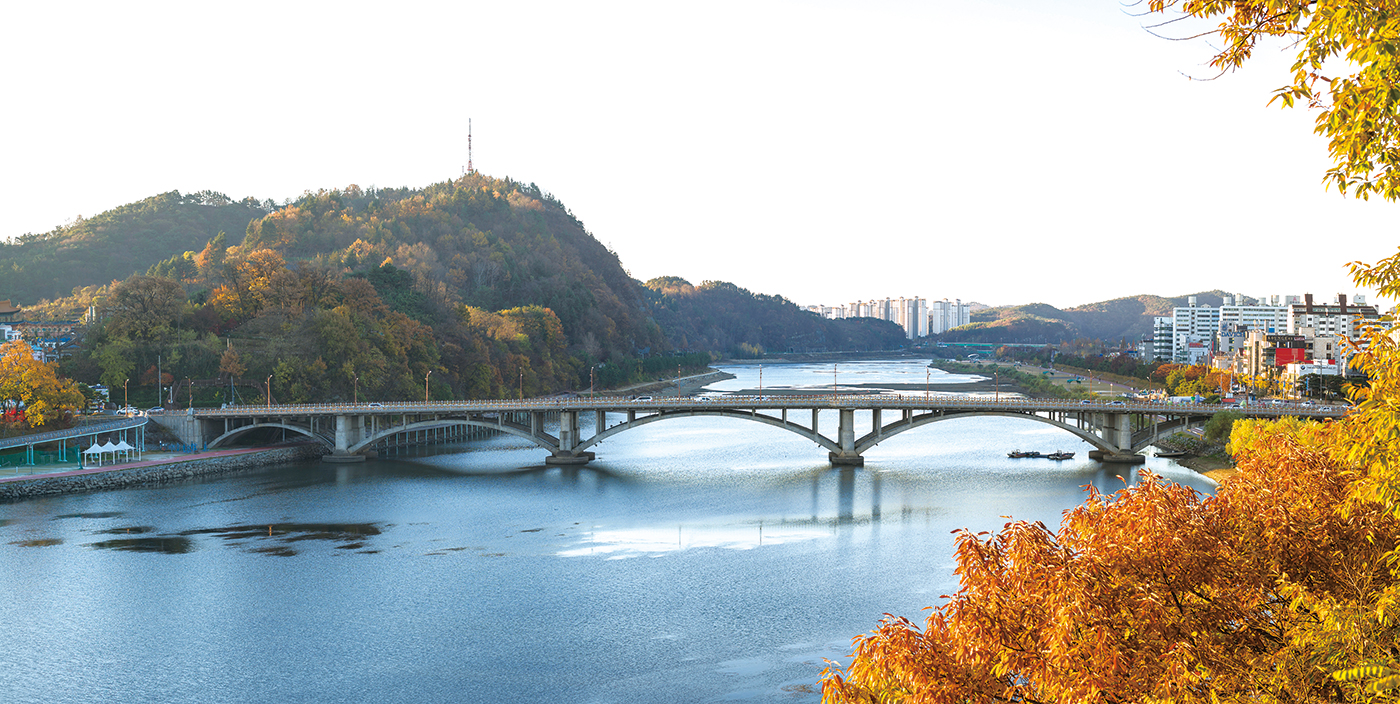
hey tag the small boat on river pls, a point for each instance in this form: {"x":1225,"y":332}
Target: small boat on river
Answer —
{"x":1061,"y":455}
{"x":1016,"y":454}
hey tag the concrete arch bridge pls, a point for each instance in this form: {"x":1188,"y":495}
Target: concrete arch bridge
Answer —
{"x":1116,"y":429}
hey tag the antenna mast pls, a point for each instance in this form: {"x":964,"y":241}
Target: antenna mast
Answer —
{"x":470,"y":170}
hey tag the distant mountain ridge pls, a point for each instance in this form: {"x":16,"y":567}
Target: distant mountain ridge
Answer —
{"x":1128,"y":318}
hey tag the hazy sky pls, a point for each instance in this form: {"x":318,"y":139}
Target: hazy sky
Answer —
{"x":1003,"y":151}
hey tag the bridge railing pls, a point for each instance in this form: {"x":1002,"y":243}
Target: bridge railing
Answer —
{"x":76,"y":432}
{"x":755,"y":402}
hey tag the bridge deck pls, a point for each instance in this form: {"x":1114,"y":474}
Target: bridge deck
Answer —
{"x":843,"y":401}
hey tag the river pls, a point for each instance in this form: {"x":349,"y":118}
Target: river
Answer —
{"x":696,"y":560}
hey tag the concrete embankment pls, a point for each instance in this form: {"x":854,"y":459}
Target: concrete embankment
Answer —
{"x":147,"y":473}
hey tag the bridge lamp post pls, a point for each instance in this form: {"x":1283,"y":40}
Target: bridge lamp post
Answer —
{"x":425,"y":385}
{"x":927,"y":371}
{"x":269,"y":391}
{"x":591,"y":378}
{"x":126,"y":401}
{"x":522,"y":384}
{"x":760,"y":381}
{"x":357,"y":389}
{"x":190,"y":386}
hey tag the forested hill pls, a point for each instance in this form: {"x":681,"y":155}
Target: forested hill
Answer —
{"x":119,"y":242}
{"x":474,"y":288}
{"x":719,"y":315}
{"x":486,"y":243}
{"x":1128,"y":318}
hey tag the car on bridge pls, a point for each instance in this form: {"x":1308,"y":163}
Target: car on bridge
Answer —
{"x":643,"y":398}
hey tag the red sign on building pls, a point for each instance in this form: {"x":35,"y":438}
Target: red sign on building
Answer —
{"x":1285,"y":355}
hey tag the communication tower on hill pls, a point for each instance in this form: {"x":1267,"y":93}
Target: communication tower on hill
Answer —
{"x":470,"y":170}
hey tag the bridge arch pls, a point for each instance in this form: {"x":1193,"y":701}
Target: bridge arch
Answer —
{"x":805,"y":432}
{"x":543,"y":440}
{"x":328,"y":442}
{"x":876,"y":437}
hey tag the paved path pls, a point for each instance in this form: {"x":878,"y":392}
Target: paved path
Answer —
{"x":61,"y":470}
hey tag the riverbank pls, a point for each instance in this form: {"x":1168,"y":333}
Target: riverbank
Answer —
{"x":669,"y":387}
{"x":149,"y":472}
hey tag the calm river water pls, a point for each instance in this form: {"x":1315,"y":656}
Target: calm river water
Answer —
{"x":696,"y":560}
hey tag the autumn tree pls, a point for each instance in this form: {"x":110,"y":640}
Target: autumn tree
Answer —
{"x":144,"y":307}
{"x":1346,"y":66}
{"x":1280,"y":587}
{"x":36,"y":386}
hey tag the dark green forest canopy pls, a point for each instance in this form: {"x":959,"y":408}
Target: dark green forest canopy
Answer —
{"x":117,"y":243}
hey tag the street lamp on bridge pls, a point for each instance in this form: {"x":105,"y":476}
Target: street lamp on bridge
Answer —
{"x":357,"y":388}
{"x":269,"y":391}
{"x":425,"y":385}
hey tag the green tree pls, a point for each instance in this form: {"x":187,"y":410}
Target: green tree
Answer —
{"x":1218,"y":428}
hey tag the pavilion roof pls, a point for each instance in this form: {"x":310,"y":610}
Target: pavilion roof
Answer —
{"x":7,"y":308}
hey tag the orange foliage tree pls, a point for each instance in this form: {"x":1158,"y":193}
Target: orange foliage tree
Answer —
{"x":46,"y":397}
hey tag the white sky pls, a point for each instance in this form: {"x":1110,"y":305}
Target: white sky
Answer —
{"x":1004,"y":151}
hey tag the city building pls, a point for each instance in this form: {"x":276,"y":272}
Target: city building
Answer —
{"x":1337,"y":318}
{"x":911,"y":314}
{"x":945,"y":315}
{"x":1193,"y":329}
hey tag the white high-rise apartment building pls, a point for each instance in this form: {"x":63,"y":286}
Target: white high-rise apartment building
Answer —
{"x":1270,"y":319}
{"x":1193,"y":324}
{"x":1162,"y":337}
{"x":911,"y":314}
{"x":945,"y":315}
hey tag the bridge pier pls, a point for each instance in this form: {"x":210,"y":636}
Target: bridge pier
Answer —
{"x":348,"y":431}
{"x":568,"y":455}
{"x":846,"y":436}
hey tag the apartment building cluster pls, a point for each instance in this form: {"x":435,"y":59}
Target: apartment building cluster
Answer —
{"x":1283,"y":336}
{"x":916,"y":316}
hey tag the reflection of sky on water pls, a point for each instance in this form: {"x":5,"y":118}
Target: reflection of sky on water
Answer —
{"x":620,"y":543}
{"x":820,"y":376}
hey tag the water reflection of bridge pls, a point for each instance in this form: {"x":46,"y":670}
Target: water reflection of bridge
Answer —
{"x":1116,"y":429}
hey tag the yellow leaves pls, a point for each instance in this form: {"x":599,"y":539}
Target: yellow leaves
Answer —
{"x":1357,"y":111}
{"x":23,"y":379}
